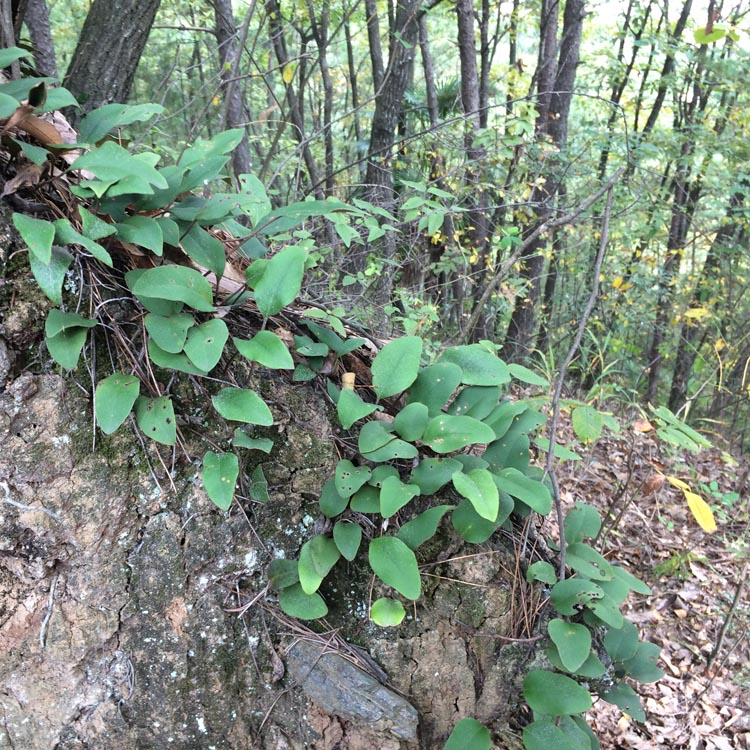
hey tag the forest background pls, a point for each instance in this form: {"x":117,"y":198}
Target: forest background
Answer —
{"x":483,"y":131}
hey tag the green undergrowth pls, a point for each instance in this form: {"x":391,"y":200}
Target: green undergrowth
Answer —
{"x":433,"y":440}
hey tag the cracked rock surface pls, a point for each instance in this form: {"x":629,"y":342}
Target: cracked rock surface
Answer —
{"x":114,"y":629}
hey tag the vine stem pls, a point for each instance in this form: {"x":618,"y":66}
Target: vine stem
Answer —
{"x":560,"y":381}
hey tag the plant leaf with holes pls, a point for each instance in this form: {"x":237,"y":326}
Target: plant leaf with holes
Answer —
{"x":155,"y":417}
{"x":267,"y":349}
{"x":114,"y":397}
{"x":588,"y":562}
{"x":220,"y":472}
{"x":395,"y":564}
{"x":625,"y":698}
{"x":569,"y":594}
{"x":387,"y":612}
{"x":394,"y":495}
{"x":642,"y":666}
{"x":242,"y":405}
{"x":205,"y":343}
{"x":396,"y":366}
{"x":349,"y":478}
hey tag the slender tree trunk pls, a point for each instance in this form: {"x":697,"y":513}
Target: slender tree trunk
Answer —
{"x":320,"y":34}
{"x":293,"y":100}
{"x":108,"y":51}
{"x":229,"y":54}
{"x":708,"y":287}
{"x":379,"y":174}
{"x":556,"y":75}
{"x":37,"y":21}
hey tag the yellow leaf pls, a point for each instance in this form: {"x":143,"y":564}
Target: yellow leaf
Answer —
{"x":288,"y":73}
{"x":617,"y":283}
{"x":696,"y":313}
{"x":702,"y":512}
{"x":678,"y":483}
{"x":719,"y":345}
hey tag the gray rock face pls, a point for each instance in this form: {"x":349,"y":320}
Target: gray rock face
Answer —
{"x":342,"y":689}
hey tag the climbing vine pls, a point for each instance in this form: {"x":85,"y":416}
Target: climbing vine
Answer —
{"x":434,"y":439}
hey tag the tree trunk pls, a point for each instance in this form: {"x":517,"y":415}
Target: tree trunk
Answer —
{"x":379,"y":174}
{"x":708,"y":285}
{"x":37,"y":22}
{"x":229,"y":55}
{"x":556,"y":78}
{"x":108,"y":51}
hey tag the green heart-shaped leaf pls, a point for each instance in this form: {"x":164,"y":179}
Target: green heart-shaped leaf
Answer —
{"x":220,"y":472}
{"x":114,"y":398}
{"x":242,"y":405}
{"x":387,"y":612}
{"x":396,"y":366}
{"x":316,"y":558}
{"x":169,"y":333}
{"x":205,"y":343}
{"x":395,"y":564}
{"x":155,"y":417}
{"x":348,"y":537}
{"x":267,"y":349}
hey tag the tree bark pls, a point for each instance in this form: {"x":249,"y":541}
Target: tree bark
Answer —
{"x":556,"y":79}
{"x":379,"y":173}
{"x":229,"y":55}
{"x":108,"y":52}
{"x":37,"y":22}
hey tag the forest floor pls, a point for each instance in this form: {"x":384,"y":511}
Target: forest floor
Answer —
{"x":697,"y":579}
